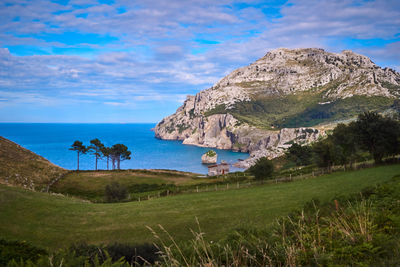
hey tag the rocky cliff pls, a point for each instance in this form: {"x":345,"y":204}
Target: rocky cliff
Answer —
{"x":263,"y":108}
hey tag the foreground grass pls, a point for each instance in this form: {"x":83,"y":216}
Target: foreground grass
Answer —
{"x":55,"y":221}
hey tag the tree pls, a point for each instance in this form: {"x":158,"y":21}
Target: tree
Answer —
{"x":344,"y":137}
{"x":79,"y":148}
{"x":378,"y":135}
{"x":106,"y":151}
{"x":325,"y":153}
{"x":96,"y":149}
{"x":262,"y":169}
{"x":301,"y":155}
{"x":119,"y":152}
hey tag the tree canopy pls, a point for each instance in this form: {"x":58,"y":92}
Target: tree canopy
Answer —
{"x":79,"y":148}
{"x":262,"y":169}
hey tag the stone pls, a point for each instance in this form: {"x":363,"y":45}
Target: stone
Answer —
{"x":210,"y":157}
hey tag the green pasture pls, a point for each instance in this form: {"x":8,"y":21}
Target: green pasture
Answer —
{"x":91,"y":184}
{"x":55,"y":221}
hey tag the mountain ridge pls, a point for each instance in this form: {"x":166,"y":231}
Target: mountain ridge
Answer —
{"x":262,"y":107}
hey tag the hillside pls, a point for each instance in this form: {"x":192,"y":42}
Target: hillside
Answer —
{"x":55,"y":221}
{"x":19,"y":166}
{"x":263,"y":107}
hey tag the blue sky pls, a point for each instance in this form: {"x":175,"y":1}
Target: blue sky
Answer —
{"x":135,"y":61}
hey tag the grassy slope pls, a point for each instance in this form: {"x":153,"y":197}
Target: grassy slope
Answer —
{"x":20,"y":166}
{"x":301,"y":109}
{"x":57,"y":221}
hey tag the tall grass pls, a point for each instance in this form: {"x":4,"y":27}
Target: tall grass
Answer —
{"x":329,"y":234}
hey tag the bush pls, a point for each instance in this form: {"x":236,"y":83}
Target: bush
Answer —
{"x":262,"y":169}
{"x":115,"y":192}
{"x":18,"y":251}
{"x":211,"y":153}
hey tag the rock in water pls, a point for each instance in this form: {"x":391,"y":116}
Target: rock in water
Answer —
{"x":210,"y":157}
{"x":265,"y":107}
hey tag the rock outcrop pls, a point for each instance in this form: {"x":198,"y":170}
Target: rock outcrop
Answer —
{"x":210,"y":157}
{"x":211,"y":117}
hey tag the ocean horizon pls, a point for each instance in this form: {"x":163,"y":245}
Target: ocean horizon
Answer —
{"x":53,"y":140}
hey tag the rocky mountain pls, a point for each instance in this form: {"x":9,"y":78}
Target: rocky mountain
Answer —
{"x":264,"y":107}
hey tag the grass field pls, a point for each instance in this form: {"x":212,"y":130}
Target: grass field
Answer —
{"x":52,"y":221}
{"x":91,"y":184}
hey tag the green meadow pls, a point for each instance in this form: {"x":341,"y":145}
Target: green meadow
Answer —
{"x":55,"y":221}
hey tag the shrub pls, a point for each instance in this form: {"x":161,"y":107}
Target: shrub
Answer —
{"x":211,"y":153}
{"x":262,"y":169}
{"x":115,"y":192}
{"x":18,"y":251}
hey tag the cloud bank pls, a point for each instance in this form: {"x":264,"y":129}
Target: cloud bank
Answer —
{"x":131,"y":61}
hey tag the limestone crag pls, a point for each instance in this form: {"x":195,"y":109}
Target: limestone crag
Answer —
{"x":282,"y":72}
{"x":210,"y":157}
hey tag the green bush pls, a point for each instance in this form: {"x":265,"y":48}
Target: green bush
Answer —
{"x":262,"y":169}
{"x":211,"y":153}
{"x":18,"y":251}
{"x":115,"y":192}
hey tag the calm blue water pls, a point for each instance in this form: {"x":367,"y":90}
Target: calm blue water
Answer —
{"x":52,"y":140}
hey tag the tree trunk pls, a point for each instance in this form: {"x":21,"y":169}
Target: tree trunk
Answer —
{"x":96,"y":162}
{"x":119,"y":161}
{"x":107,"y":161}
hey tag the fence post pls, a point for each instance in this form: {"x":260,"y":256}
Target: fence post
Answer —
{"x":216,"y":187}
{"x":290,"y":177}
{"x":167,"y":192}
{"x":207,"y":188}
{"x":227,"y":186}
{"x":237,"y":185}
{"x":139,"y":199}
{"x":197,"y":189}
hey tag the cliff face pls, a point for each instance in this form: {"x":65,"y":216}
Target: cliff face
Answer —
{"x":250,"y":109}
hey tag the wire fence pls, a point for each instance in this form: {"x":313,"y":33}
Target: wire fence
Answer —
{"x":224,"y":186}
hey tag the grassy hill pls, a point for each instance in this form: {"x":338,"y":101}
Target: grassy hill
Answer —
{"x":19,"y":166}
{"x":139,"y":183}
{"x":55,"y":221}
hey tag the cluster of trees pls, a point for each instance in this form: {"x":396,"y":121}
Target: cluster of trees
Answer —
{"x":115,"y":153}
{"x":371,"y":132}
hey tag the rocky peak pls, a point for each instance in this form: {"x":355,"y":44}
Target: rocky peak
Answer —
{"x":284,"y":85}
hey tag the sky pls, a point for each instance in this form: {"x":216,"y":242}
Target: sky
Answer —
{"x":125,"y":61}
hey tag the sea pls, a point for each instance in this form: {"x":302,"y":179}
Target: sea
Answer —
{"x":53,"y":140}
